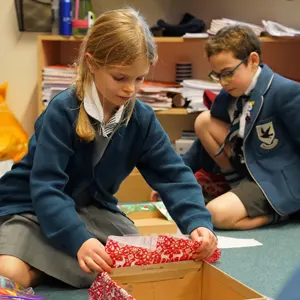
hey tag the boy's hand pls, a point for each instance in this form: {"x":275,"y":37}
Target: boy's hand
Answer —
{"x":208,"y":245}
{"x":92,"y":257}
{"x":154,"y":196}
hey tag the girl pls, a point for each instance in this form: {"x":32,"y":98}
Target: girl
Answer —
{"x":57,"y":206}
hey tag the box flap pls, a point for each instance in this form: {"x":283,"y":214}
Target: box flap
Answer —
{"x":219,"y":285}
{"x":155,"y":272}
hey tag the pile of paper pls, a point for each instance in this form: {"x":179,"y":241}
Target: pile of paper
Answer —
{"x":193,"y":91}
{"x":277,"y":29}
{"x":56,"y":79}
{"x":218,"y":24}
{"x":158,"y":95}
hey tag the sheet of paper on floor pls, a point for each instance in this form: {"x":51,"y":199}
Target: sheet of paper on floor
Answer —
{"x":228,"y":242}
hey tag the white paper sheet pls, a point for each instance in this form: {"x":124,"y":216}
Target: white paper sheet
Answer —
{"x":228,"y":242}
{"x":5,"y":166}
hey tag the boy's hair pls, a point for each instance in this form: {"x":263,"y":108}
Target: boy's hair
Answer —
{"x":118,"y":38}
{"x":238,"y":39}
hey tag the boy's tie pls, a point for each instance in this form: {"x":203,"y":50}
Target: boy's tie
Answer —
{"x":235,"y":125}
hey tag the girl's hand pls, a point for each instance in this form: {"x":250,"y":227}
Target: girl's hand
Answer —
{"x":92,"y":257}
{"x":208,"y":245}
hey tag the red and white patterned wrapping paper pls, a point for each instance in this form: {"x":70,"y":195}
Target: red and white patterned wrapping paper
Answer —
{"x":104,"y":288}
{"x":129,"y":251}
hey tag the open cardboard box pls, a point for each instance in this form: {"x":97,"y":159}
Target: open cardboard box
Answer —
{"x":151,"y":221}
{"x":134,"y":188}
{"x":186,"y":280}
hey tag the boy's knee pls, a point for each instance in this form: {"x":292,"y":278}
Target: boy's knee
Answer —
{"x":15,"y":270}
{"x":202,"y":122}
{"x":219,"y":218}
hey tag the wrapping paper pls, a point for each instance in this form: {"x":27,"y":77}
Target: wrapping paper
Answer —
{"x":136,"y":207}
{"x":129,"y":251}
{"x":161,"y":207}
{"x":145,"y":207}
{"x":104,"y":288}
{"x":13,"y":291}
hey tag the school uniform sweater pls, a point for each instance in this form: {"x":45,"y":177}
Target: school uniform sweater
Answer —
{"x":59,"y":166}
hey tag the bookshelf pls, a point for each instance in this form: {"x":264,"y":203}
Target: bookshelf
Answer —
{"x":53,"y":49}
{"x":281,"y":54}
{"x":268,"y":39}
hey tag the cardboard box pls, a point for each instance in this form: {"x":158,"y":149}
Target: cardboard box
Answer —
{"x":147,"y":226}
{"x":149,"y":219}
{"x":134,"y":189}
{"x":186,"y":280}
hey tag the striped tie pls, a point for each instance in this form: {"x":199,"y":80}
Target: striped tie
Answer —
{"x":235,"y":125}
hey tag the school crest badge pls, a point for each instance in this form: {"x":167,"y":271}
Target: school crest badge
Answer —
{"x":266,"y":135}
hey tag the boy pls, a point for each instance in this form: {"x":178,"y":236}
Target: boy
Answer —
{"x":251,"y":133}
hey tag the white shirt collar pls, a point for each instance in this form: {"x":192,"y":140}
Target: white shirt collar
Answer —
{"x":253,"y":82}
{"x":93,"y":106}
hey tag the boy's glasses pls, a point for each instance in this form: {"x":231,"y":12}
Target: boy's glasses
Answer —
{"x":227,"y":75}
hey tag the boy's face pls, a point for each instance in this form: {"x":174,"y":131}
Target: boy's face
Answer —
{"x":237,"y":84}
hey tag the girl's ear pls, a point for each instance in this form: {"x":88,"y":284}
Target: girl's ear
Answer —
{"x":89,"y":60}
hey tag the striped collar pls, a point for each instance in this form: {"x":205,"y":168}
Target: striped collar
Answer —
{"x":93,"y":107}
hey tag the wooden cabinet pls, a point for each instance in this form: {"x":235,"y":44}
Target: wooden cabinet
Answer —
{"x":281,"y":54}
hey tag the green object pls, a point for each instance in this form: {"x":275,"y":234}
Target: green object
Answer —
{"x":161,"y":207}
{"x":137,"y":207}
{"x":85,"y":11}
{"x":145,"y":206}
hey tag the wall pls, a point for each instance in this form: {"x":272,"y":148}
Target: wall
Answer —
{"x":18,"y":51}
{"x":18,"y":66}
{"x":152,"y":9}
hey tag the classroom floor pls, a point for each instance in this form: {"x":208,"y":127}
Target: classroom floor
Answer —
{"x":263,"y":268}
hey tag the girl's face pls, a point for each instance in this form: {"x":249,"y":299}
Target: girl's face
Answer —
{"x":116,"y":85}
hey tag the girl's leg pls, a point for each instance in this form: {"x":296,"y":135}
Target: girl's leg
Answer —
{"x":18,"y":271}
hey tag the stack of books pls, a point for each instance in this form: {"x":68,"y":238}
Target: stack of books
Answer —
{"x":56,"y":79}
{"x":158,"y":94}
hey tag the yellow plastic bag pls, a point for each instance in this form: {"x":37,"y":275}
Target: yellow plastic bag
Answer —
{"x":13,"y":138}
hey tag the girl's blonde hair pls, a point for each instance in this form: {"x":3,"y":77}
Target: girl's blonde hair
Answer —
{"x":118,"y":37}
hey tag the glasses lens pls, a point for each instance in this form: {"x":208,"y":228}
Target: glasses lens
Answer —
{"x":214,"y":77}
{"x":226,"y":77}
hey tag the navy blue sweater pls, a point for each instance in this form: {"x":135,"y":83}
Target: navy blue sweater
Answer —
{"x":59,"y":166}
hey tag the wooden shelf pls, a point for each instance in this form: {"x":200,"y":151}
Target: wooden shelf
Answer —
{"x":173,"y":112}
{"x":168,"y":112}
{"x":265,"y":39}
{"x":60,"y":38}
